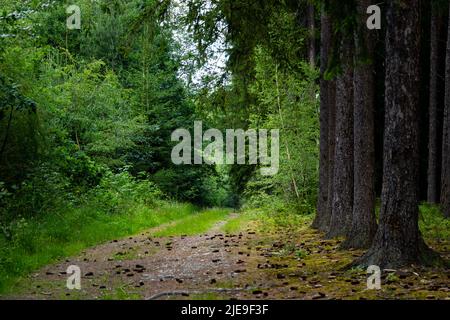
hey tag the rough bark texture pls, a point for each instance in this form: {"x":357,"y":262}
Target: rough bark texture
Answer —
{"x":326,"y":104}
{"x":331,"y":150}
{"x":342,"y":201}
{"x":433,"y":158}
{"x":445,"y":178}
{"x":363,"y":225}
{"x":398,"y":241}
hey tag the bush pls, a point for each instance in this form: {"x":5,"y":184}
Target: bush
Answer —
{"x":289,"y":101}
{"x":119,"y":192}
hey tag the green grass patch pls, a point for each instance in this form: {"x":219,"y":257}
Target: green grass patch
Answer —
{"x":39,"y":241}
{"x":121,"y":294}
{"x":433,"y":224}
{"x":238,"y":223}
{"x":286,"y":221}
{"x":195,"y":224}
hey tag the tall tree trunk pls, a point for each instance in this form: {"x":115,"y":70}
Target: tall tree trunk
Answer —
{"x":445,"y":179}
{"x":433,"y":158}
{"x":363,"y":225}
{"x":312,"y":36}
{"x":398,"y":241}
{"x":322,"y":219}
{"x":342,"y":201}
{"x":331,"y":150}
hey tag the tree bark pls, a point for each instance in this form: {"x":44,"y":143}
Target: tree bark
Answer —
{"x":445,"y":178}
{"x":363,"y":224}
{"x":331,"y":150}
{"x":433,"y":137}
{"x":342,"y":201}
{"x":322,"y":219}
{"x":398,"y":241}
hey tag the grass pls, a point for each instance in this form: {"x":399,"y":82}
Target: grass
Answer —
{"x":239,"y":223}
{"x":121,"y":294}
{"x":131,"y":254}
{"x":38,"y":242}
{"x":194,"y":224}
{"x":432,"y":223}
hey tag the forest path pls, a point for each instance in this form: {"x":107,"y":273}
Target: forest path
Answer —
{"x":257,"y":262}
{"x":144,"y":266}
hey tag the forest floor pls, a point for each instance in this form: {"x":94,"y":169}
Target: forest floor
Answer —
{"x":238,"y":258}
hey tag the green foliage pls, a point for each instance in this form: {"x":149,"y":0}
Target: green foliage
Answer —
{"x":287,"y":101}
{"x":76,"y":165}
{"x":189,"y":183}
{"x":19,"y":125}
{"x":281,"y":220}
{"x":104,"y":37}
{"x":88,"y":105}
{"x":301,"y":253}
{"x":265,"y":39}
{"x":120,"y":192}
{"x":433,"y":225}
{"x":78,"y":103}
{"x":85,"y":123}
{"x":86,"y":117}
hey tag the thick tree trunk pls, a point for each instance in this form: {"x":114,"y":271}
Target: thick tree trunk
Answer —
{"x":342,"y":201}
{"x":363,"y":225}
{"x":326,"y":104}
{"x":398,"y":241}
{"x":331,"y":150}
{"x":445,"y":178}
{"x":433,"y":159}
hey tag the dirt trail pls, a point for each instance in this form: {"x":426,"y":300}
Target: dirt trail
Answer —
{"x":149,"y":268}
{"x":256,"y":263}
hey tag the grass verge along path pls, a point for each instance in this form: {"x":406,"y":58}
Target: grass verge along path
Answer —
{"x":42,"y":241}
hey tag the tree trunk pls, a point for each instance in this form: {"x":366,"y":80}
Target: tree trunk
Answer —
{"x":398,"y":241}
{"x":433,"y":158}
{"x":342,"y":201}
{"x":331,"y":150}
{"x":326,"y":104}
{"x":445,"y":179}
{"x":363,"y":225}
